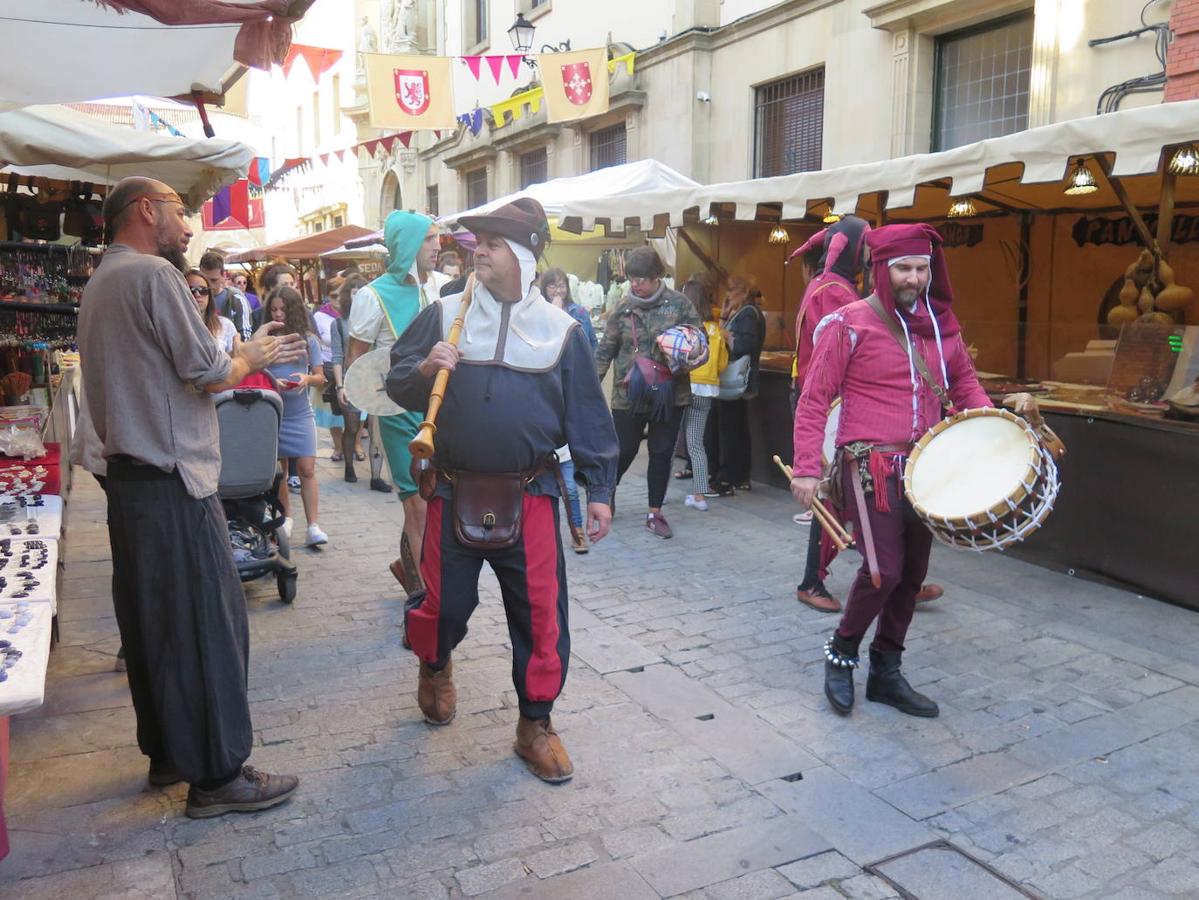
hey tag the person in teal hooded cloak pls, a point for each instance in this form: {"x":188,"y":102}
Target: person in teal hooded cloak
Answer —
{"x":382,"y":311}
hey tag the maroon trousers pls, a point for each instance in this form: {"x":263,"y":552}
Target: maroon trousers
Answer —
{"x":902,"y":542}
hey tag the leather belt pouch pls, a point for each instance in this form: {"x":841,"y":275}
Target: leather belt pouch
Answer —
{"x":487,"y":508}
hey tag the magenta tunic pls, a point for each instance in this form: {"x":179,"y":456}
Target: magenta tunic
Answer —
{"x":883,"y":399}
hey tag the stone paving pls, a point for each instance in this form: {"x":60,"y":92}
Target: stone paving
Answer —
{"x":708,"y":765}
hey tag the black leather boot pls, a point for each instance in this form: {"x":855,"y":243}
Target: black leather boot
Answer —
{"x":840,"y":659}
{"x":886,"y":684}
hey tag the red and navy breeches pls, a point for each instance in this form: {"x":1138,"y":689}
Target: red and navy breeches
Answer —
{"x":532,"y":576}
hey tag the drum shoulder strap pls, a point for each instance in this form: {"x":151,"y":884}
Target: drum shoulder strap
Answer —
{"x":918,"y":360}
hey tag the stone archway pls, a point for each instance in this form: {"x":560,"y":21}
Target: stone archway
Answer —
{"x":390,"y":197}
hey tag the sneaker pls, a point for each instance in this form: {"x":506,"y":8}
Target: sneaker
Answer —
{"x":658,"y":525}
{"x":817,"y":597}
{"x":293,"y":484}
{"x":720,"y":490}
{"x":316,"y":537}
{"x":250,"y":791}
{"x":286,"y":528}
{"x":378,"y":484}
{"x":929,"y":593}
{"x":802,"y":518}
{"x":695,"y":501}
{"x":745,"y":487}
{"x":684,"y":474}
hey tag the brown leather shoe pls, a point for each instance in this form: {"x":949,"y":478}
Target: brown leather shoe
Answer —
{"x":540,"y":747}
{"x":818,"y":597}
{"x":930,"y":592}
{"x":250,"y":791}
{"x":162,"y":774}
{"x":436,"y":694}
{"x":579,"y":544}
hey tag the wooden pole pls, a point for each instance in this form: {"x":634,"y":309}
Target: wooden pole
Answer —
{"x":711,"y":264}
{"x":1165,"y":212}
{"x":1138,"y":221}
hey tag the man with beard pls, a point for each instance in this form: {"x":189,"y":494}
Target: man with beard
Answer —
{"x":150,"y":368}
{"x":523,"y":384}
{"x":898,"y":362}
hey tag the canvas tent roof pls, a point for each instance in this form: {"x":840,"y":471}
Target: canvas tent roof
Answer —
{"x":310,"y":246}
{"x":60,"y":143}
{"x":615,"y":183}
{"x":1018,"y":171}
{"x":61,"y":51}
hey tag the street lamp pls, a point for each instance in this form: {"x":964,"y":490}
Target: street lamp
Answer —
{"x":521,"y":34}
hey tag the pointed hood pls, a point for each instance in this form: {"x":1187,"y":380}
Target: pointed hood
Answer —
{"x":894,"y":242}
{"x":403,"y":234}
{"x":841,"y":245}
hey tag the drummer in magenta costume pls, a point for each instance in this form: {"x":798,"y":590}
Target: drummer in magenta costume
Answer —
{"x":887,"y":403}
{"x":842,"y":252}
{"x":382,"y":310}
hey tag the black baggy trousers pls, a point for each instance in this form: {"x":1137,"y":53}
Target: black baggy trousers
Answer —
{"x":182,"y":616}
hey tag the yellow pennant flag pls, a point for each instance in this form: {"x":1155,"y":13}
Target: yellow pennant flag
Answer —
{"x":410,"y":92}
{"x":576,"y":83}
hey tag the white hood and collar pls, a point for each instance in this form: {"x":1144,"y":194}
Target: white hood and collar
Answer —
{"x":528,"y":335}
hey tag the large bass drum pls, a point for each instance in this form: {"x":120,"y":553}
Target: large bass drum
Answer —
{"x":983,"y":479}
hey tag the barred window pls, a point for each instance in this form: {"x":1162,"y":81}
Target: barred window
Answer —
{"x":609,"y":147}
{"x":476,"y":188}
{"x":982,"y":81}
{"x":789,"y":125}
{"x":534,"y":167}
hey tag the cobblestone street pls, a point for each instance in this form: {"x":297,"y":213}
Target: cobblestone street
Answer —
{"x":707,"y":762}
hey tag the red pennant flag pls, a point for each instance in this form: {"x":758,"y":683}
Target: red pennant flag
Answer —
{"x":472,"y":63}
{"x":437,"y":134}
{"x":320,"y":59}
{"x":371,"y":147}
{"x":514,"y":64}
{"x":496,"y":64}
{"x":405,"y":138}
{"x":340,"y":154}
{"x":388,"y":142}
{"x":324,"y":159}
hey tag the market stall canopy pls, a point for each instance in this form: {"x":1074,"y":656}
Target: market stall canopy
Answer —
{"x":1021,"y":171}
{"x":62,"y":51}
{"x":615,"y":183}
{"x":366,"y":251}
{"x":310,"y":246}
{"x":59,"y":143}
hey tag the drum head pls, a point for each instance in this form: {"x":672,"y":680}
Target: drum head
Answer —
{"x":366,"y":384}
{"x":972,"y":465}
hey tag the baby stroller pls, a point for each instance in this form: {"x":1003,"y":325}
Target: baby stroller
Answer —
{"x":248,"y":418}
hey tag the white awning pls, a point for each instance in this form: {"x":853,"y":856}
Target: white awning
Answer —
{"x":60,"y":143}
{"x":1018,"y":171}
{"x":615,"y":182}
{"x":64,"y":51}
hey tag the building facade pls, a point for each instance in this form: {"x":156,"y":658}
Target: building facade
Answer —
{"x":724,"y":91}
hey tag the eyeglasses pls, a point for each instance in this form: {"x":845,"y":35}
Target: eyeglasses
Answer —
{"x":158,"y":197}
{"x":637,"y":279}
{"x":198,"y":291}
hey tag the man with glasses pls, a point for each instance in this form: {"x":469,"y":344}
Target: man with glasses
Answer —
{"x":150,"y":368}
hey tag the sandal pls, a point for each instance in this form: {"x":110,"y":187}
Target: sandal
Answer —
{"x":684,"y":474}
{"x":359,"y":455}
{"x":336,"y":457}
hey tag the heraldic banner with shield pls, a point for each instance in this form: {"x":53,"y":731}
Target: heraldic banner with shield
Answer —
{"x":410,"y":92}
{"x":576,"y":84}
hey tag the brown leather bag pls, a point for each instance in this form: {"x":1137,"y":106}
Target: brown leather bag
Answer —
{"x":487,"y":508}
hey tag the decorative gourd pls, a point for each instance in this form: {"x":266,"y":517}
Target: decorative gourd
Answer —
{"x":1157,"y":318}
{"x":1145,"y":301}
{"x":1121,"y":315}
{"x":1174,"y":297}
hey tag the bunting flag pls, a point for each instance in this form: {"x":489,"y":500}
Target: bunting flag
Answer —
{"x":410,"y":92}
{"x":260,"y":171}
{"x":324,"y":158}
{"x":472,"y":121}
{"x":388,"y":142}
{"x":236,"y":205}
{"x":405,"y":138}
{"x":514,"y":64}
{"x":320,"y":59}
{"x":496,"y":64}
{"x":513,"y":109}
{"x":472,"y":63}
{"x":340,"y":154}
{"x":575,"y":84}
{"x":626,"y":60}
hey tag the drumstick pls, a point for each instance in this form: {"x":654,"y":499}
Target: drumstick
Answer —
{"x":836,"y":531}
{"x":421,"y":446}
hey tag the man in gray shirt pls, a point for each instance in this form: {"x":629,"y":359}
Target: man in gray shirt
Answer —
{"x":150,"y":367}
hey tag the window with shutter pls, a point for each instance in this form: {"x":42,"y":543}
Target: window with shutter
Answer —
{"x":609,"y":147}
{"x":534,"y":167}
{"x":789,"y":125}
